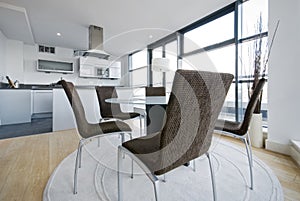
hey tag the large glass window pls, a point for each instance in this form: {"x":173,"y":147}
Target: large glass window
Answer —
{"x":157,"y":77}
{"x":224,"y":41}
{"x":216,"y":31}
{"x":210,"y":47}
{"x":139,"y":59}
{"x":167,"y":49}
{"x":250,"y":12}
{"x":139,"y":68}
{"x":171,"y":54}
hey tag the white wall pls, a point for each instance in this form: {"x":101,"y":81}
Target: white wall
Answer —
{"x":284,"y":71}
{"x":18,"y":61}
{"x":2,"y":55}
{"x":14,"y":60}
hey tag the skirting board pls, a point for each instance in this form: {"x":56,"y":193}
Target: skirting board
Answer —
{"x":295,"y":151}
{"x":295,"y":155}
{"x":277,"y":147}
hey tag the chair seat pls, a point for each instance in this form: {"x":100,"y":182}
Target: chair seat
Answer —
{"x":229,"y":126}
{"x":124,"y":116}
{"x":147,"y":149}
{"x":106,"y":127}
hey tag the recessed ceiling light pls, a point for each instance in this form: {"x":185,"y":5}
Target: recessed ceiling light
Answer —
{"x":58,"y":34}
{"x":150,"y":36}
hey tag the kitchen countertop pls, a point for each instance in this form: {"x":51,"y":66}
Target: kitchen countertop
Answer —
{"x":4,"y":86}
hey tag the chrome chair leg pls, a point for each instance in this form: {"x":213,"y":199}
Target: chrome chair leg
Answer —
{"x":99,"y":137}
{"x":156,"y":189}
{"x":249,"y":160}
{"x":212,"y":176}
{"x":131,"y":175}
{"x":194,"y":165}
{"x":250,"y":148}
{"x":164,"y":178}
{"x":122,"y":141}
{"x":98,"y":142}
{"x":145,"y":122}
{"x":141,"y":124}
{"x":80,"y":144}
{"x":122,"y":138}
{"x":120,"y":194}
{"x":80,"y":152}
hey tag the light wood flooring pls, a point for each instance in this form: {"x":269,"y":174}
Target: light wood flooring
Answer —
{"x":26,"y":164}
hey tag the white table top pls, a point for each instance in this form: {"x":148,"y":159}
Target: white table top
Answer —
{"x":149,"y":100}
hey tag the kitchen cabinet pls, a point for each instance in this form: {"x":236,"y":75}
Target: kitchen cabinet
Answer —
{"x":15,"y":106}
{"x":41,"y":101}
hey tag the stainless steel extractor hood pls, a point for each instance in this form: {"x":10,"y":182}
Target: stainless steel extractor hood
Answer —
{"x":96,"y":43}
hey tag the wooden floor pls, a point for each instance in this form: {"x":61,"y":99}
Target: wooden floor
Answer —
{"x":27,"y":162}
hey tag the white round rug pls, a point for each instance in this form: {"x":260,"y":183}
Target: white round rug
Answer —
{"x":97,"y":178}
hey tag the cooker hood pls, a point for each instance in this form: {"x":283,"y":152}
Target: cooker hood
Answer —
{"x":96,"y":43}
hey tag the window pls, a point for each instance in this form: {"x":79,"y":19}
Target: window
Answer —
{"x":216,"y":31}
{"x":249,"y":13}
{"x":222,"y":42}
{"x":171,"y":54}
{"x":210,"y":46}
{"x":253,"y":15}
{"x":157,"y":77}
{"x":166,"y":47}
{"x":139,"y":68}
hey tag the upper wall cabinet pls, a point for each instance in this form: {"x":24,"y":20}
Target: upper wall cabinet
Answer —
{"x":93,"y":67}
{"x":58,"y":66}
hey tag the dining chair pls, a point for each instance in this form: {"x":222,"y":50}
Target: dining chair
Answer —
{"x":193,"y":108}
{"x":157,"y":110}
{"x":240,"y":129}
{"x":155,"y":91}
{"x":111,"y":110}
{"x":87,"y":130}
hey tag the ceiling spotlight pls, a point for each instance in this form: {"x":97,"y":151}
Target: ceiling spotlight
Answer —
{"x":150,"y":36}
{"x":58,"y":34}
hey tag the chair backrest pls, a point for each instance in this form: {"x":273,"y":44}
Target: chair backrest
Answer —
{"x":155,"y":91}
{"x":251,"y":106}
{"x":107,"y":109}
{"x":77,"y":107}
{"x":194,"y":105}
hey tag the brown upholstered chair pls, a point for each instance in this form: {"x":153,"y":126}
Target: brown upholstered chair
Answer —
{"x":193,"y":108}
{"x":111,"y":110}
{"x":155,"y":91}
{"x":87,"y":130}
{"x":240,"y":129}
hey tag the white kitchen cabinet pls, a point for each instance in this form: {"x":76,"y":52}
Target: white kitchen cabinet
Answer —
{"x":41,"y":101}
{"x":15,"y":106}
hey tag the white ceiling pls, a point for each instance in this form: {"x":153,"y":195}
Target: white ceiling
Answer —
{"x":127,"y":24}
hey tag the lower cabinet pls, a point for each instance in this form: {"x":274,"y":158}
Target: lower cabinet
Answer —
{"x":41,"y":101}
{"x":15,"y":106}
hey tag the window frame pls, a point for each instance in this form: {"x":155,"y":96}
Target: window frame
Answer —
{"x":236,"y":41}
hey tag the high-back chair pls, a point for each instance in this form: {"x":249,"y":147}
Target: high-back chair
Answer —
{"x":87,"y":130}
{"x":240,"y":129}
{"x":193,"y":108}
{"x":155,"y":91}
{"x":154,"y":121}
{"x":112,"y":110}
